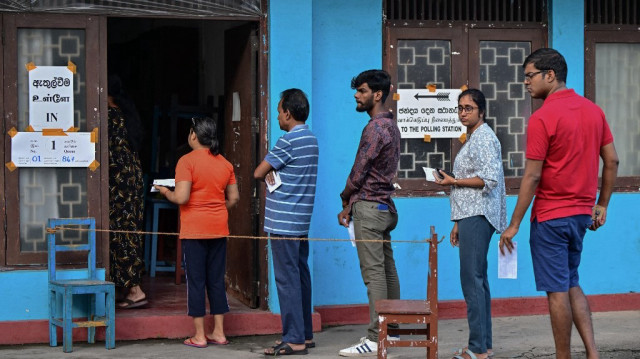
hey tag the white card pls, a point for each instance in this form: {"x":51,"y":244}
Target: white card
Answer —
{"x":508,"y":263}
{"x":169,"y":182}
{"x":276,"y":184}
{"x":352,"y":234}
{"x":428,"y":172}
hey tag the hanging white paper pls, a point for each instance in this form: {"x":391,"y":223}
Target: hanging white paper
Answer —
{"x":508,"y":263}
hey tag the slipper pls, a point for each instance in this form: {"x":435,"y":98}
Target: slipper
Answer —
{"x":215,"y":342}
{"x":189,"y":342}
{"x":285,"y":349}
{"x":468,"y":352}
{"x":130,"y":304}
{"x":463,"y":350}
{"x":309,"y":345}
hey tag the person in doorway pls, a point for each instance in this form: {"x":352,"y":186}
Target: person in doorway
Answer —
{"x":478,"y":209}
{"x":287,"y":218}
{"x":366,"y":199}
{"x":205,"y":189}
{"x":126,"y":197}
{"x":565,"y":139}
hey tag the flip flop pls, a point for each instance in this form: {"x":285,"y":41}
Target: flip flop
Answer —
{"x":463,"y":350}
{"x":309,"y":345}
{"x":189,"y":342}
{"x":285,"y":349}
{"x":131,"y":304}
{"x":468,"y":352}
{"x":215,"y":342}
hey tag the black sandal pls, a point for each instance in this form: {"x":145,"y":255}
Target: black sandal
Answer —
{"x":285,"y":349}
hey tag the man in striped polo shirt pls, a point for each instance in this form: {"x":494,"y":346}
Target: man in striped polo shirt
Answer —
{"x":287,"y":217}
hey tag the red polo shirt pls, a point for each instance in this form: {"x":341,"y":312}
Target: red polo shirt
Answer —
{"x":566,"y":133}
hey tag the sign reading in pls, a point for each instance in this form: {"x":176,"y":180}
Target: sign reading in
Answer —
{"x":50,"y":97}
{"x":421,"y":112}
{"x":72,"y":149}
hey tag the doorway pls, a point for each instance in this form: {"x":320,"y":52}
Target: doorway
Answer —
{"x":175,"y":69}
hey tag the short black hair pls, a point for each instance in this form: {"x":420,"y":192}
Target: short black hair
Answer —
{"x":548,"y":59}
{"x":478,"y":97}
{"x":206,"y":129}
{"x":377,"y":80}
{"x":295,"y":101}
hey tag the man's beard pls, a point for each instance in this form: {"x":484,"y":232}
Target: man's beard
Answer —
{"x":365,"y":107}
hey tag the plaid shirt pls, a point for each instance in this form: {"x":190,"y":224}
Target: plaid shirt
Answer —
{"x":371,"y":177}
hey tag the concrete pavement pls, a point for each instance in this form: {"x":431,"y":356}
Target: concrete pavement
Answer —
{"x":617,"y":337}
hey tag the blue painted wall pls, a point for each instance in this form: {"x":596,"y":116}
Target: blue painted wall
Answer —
{"x":24,"y":294}
{"x":566,"y":35}
{"x":290,"y":65}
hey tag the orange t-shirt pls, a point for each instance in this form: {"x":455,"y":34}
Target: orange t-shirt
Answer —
{"x":205,"y":215}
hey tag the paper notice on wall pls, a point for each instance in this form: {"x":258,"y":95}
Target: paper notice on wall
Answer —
{"x":508,"y":263}
{"x":51,"y":97}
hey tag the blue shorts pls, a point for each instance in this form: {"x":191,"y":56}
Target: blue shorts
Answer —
{"x":556,"y":246}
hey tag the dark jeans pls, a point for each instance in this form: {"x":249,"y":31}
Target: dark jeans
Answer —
{"x":293,"y":281}
{"x":475,"y":234}
{"x":377,"y":265}
{"x":205,"y":261}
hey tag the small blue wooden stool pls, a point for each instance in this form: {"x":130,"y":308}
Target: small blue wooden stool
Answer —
{"x":94,"y":288}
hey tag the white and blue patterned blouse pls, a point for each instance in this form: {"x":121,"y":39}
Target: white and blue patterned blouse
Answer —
{"x":480,"y":156}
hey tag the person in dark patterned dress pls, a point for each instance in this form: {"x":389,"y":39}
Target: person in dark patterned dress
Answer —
{"x":126,"y":197}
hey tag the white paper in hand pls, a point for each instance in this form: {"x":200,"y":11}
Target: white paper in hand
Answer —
{"x":428,"y":172}
{"x":276,"y":184}
{"x":508,"y":263}
{"x":352,"y":234}
{"x":169,"y":182}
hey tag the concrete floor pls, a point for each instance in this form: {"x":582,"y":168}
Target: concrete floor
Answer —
{"x":617,"y":337}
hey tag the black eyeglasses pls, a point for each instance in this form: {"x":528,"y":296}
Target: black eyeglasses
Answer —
{"x":530,"y":75}
{"x":467,"y":109}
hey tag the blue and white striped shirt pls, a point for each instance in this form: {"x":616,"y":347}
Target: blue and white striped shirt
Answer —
{"x":288,"y":209}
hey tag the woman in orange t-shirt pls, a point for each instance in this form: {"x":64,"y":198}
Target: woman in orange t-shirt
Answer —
{"x":205,"y":189}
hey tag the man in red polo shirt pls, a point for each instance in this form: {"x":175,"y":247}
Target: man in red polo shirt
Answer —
{"x":565,"y":139}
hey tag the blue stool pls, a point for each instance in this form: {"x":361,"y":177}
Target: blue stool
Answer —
{"x":154,"y":205}
{"x":94,"y":288}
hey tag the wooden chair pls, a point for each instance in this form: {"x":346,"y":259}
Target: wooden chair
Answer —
{"x":94,"y":288}
{"x":413,"y":312}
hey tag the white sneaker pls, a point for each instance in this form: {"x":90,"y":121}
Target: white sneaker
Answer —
{"x":393,"y":338}
{"x":365,"y":348}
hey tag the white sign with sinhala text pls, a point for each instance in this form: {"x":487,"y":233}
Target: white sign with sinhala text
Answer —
{"x":51,"y":97}
{"x":421,"y":112}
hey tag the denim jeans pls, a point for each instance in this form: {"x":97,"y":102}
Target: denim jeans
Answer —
{"x":475,"y":234}
{"x":293,"y":281}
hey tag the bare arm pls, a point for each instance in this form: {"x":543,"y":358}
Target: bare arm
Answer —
{"x":232,"y":196}
{"x":180,"y":195}
{"x":609,"y":174}
{"x":530,"y":180}
{"x":261,"y":171}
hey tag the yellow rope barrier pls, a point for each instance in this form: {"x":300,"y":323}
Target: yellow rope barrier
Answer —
{"x":208,"y":235}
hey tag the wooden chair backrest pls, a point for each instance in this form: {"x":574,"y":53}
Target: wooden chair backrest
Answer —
{"x":90,"y":247}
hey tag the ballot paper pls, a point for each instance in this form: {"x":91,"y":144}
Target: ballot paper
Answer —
{"x":508,"y":263}
{"x":352,"y":234}
{"x":276,"y":184}
{"x":170,"y":182}
{"x":428,"y":172}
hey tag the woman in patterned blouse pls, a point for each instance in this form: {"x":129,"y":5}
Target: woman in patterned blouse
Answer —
{"x":478,"y":209}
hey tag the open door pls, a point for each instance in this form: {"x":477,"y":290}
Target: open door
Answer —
{"x":240,"y":130}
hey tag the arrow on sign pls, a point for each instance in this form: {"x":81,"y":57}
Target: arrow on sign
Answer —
{"x":443,"y":96}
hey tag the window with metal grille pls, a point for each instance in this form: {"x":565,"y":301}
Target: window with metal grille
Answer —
{"x":612,"y":12}
{"x":467,"y":10}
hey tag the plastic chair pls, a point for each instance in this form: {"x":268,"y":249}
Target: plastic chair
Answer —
{"x":412,"y":312}
{"x":94,"y":288}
